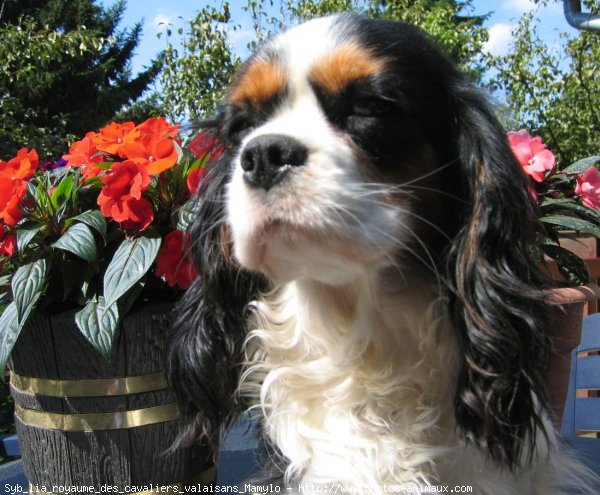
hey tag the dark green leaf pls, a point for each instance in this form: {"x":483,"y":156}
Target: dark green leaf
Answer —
{"x":63,"y":191}
{"x":99,"y":323}
{"x":569,"y":264}
{"x":186,"y":214}
{"x":27,"y":287}
{"x":80,"y":241}
{"x":25,"y":234}
{"x":570,"y":223}
{"x":9,"y":332}
{"x":94,"y":219}
{"x":580,"y":166}
{"x":130,"y":263}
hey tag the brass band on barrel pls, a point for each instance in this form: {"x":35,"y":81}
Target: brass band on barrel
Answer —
{"x":96,"y":421}
{"x":587,"y":433}
{"x":206,"y":477}
{"x":89,"y":388}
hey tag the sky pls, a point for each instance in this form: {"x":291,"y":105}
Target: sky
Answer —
{"x":157,"y":14}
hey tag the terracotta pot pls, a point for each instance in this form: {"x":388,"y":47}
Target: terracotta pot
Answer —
{"x":566,"y":311}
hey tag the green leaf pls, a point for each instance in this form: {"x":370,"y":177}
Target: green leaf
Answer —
{"x":571,"y":266}
{"x":187,"y":213}
{"x":93,"y":219}
{"x":63,"y":191}
{"x":9,"y":332}
{"x":571,"y":223}
{"x":99,"y":323}
{"x":130,"y":263}
{"x":80,"y":241}
{"x":580,"y":166}
{"x":25,"y":234}
{"x":27,"y":287}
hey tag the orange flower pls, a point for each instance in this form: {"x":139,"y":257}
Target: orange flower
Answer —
{"x":13,"y":184}
{"x":22,"y":166}
{"x":121,"y":196}
{"x":172,"y":262}
{"x":206,"y":144}
{"x":111,"y":137}
{"x":158,"y":154}
{"x":84,"y":154}
{"x":158,"y":127}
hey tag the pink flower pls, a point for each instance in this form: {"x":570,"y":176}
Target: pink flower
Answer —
{"x":588,"y":187}
{"x":531,"y":153}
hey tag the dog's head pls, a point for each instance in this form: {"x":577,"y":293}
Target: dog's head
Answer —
{"x":352,"y":144}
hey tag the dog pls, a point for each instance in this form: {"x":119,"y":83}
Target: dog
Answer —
{"x":364,"y":245}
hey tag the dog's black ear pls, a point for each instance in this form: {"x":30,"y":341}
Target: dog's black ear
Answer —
{"x":205,"y":349}
{"x":496,"y":299}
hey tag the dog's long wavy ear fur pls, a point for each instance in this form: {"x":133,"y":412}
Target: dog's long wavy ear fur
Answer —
{"x":205,"y":348}
{"x":495,"y":291}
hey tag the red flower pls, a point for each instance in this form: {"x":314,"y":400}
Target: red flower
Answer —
{"x":111,"y":137}
{"x":588,"y":187}
{"x":206,"y":144}
{"x":531,"y":153}
{"x":8,"y":243}
{"x":193,"y":179}
{"x":173,"y":263}
{"x":121,"y":196}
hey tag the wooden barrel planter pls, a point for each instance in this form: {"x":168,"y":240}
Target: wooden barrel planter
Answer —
{"x":85,"y":422}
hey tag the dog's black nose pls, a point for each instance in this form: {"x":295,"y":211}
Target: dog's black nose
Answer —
{"x":267,"y":159}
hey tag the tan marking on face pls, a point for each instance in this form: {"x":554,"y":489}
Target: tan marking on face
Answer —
{"x":261,"y":81}
{"x":346,"y":64}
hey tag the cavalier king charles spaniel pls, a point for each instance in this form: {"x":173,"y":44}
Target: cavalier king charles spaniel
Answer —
{"x":366,"y":283}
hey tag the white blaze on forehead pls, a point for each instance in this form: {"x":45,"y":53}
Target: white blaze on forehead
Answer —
{"x":303,"y":46}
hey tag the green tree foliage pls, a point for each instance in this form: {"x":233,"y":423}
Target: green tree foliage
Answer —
{"x":553,"y":92}
{"x":64,"y":70}
{"x":195,"y":75}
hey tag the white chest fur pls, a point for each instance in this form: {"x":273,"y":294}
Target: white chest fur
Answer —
{"x":355,"y":383}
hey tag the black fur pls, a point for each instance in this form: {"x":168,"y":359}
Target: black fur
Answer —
{"x":493,"y":285}
{"x":205,"y":348}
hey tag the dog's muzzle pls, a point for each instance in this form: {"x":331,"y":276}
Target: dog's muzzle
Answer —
{"x":267,"y":159}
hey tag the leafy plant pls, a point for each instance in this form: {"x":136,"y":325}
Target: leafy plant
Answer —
{"x":85,"y":232}
{"x":568,"y":198}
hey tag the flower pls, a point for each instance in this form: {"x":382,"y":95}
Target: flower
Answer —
{"x":84,"y":154}
{"x":13,"y":184}
{"x":8,"y":243}
{"x":108,"y":206}
{"x":588,"y":187}
{"x":111,"y":137}
{"x":193,"y":179}
{"x":532,"y":154}
{"x":121,"y":196}
{"x":206,"y":144}
{"x":567,"y":199}
{"x":22,"y":166}
{"x":156,"y":153}
{"x":172,"y":263}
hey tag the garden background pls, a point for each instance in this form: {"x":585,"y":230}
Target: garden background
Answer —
{"x":70,"y":66}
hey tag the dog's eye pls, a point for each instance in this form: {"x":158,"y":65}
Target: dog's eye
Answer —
{"x":238,"y":128}
{"x":371,"y":107}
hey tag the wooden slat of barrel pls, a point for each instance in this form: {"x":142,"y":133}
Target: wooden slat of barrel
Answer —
{"x":120,"y":457}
